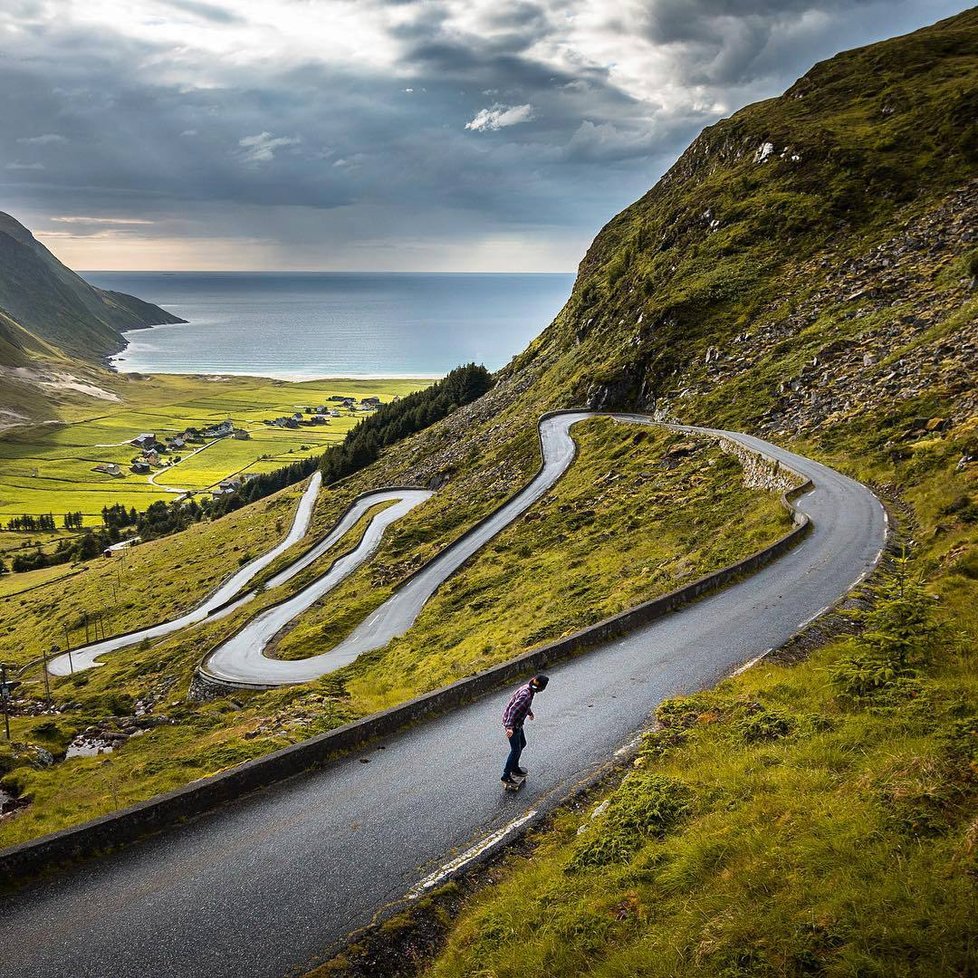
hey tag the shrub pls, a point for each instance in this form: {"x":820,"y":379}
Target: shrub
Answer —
{"x":761,"y":723}
{"x":898,"y":638}
{"x":658,"y":743}
{"x":680,"y":712}
{"x":643,"y":807}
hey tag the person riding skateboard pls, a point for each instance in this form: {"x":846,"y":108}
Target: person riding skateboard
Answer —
{"x":517,"y":711}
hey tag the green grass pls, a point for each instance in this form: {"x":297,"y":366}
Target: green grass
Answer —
{"x":608,"y":537}
{"x":14,"y":584}
{"x":139,"y":585}
{"x":782,"y":830}
{"x":790,"y":829}
{"x":45,"y":469}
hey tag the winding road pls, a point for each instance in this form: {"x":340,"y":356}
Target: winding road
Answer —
{"x":86,"y":656}
{"x":241,"y":660}
{"x":264,"y":886}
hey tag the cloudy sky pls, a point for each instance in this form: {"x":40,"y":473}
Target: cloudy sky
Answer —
{"x":377,"y":134}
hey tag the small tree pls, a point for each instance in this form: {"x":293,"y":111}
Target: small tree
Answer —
{"x":898,"y":638}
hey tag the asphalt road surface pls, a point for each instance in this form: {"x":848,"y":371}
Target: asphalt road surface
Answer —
{"x":242,"y":660}
{"x":261,"y":887}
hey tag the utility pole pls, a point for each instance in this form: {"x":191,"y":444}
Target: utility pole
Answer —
{"x":47,"y":676}
{"x":6,"y":688}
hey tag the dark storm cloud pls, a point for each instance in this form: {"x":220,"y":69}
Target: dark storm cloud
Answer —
{"x":452,"y":119}
{"x":669,"y":21}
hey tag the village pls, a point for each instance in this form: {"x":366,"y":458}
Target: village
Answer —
{"x":158,"y":452}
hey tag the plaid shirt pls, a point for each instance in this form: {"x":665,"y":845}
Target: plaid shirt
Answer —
{"x":515,"y":713}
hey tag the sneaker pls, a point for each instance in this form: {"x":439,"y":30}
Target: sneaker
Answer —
{"x":520,"y":771}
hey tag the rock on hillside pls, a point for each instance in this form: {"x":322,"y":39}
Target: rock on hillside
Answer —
{"x":801,"y":258}
{"x":849,"y":157}
{"x":58,"y":306}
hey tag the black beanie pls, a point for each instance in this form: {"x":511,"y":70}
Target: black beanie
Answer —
{"x":541,"y":681}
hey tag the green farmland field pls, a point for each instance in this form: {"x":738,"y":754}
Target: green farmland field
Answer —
{"x":50,"y":469}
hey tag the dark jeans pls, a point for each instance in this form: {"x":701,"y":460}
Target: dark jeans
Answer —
{"x":516,"y":744}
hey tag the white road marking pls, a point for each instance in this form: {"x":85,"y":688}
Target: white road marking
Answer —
{"x":752,"y":662}
{"x":817,"y":614}
{"x":630,"y":746}
{"x":431,"y":881}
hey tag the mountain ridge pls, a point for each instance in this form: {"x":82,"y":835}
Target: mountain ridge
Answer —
{"x":59,"y":307}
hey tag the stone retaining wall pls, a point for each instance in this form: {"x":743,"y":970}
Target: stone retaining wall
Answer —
{"x":760,"y":472}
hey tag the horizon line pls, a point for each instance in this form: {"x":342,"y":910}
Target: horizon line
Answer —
{"x":296,"y":271}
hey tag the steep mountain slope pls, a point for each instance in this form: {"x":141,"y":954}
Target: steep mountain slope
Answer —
{"x":858,"y":150}
{"x":18,"y":344}
{"x":806,"y":271}
{"x":54,"y":330}
{"x":57,"y":305}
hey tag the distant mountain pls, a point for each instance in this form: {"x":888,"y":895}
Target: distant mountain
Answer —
{"x":59,"y":307}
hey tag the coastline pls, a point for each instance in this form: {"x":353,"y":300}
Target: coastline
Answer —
{"x":111,"y":363}
{"x":313,"y":327}
{"x":289,"y":377}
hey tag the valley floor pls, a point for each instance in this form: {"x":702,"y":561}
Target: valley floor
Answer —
{"x":50,"y":468}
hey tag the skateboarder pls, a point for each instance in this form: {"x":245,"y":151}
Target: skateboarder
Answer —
{"x":517,"y":711}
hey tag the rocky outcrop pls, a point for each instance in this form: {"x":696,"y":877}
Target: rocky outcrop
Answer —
{"x":890,"y":324}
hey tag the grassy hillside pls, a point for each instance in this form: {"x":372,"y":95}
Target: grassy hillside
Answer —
{"x":54,"y":330}
{"x":18,"y":345}
{"x":806,"y":271}
{"x":854,"y":150}
{"x":618,"y":501}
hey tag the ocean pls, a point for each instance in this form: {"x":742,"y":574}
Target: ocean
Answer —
{"x":301,"y":326}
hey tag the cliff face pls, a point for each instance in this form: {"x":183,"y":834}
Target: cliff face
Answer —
{"x":58,"y":306}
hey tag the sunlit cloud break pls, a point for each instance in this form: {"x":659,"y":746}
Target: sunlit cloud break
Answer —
{"x":499,"y":117}
{"x":44,"y":139}
{"x":261,"y":147}
{"x":80,"y":219}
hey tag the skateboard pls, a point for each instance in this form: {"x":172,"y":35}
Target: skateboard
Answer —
{"x":518,"y":780}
